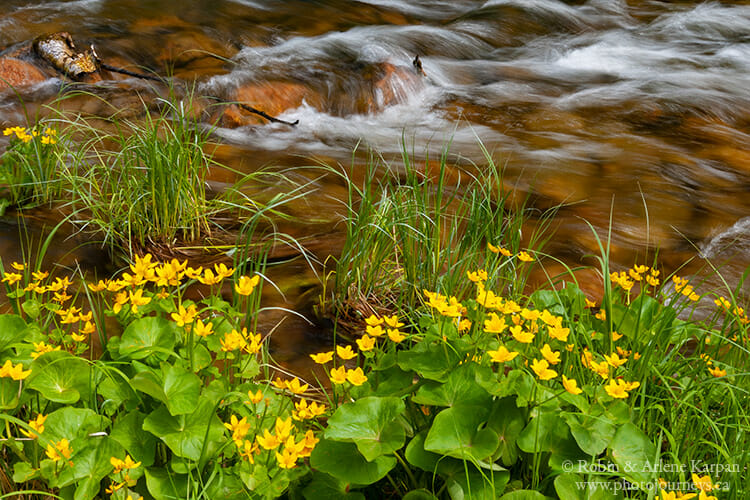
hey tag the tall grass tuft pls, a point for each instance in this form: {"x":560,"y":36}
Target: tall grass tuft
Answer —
{"x":419,"y":230}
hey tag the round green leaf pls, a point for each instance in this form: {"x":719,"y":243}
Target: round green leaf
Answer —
{"x":456,"y":432}
{"x":60,"y":377}
{"x":182,"y":389}
{"x":186,"y":435}
{"x":371,"y":424}
{"x":146,"y":336}
{"x":12,"y":329}
{"x":345,"y":462}
{"x":592,"y":433}
{"x":633,"y":453}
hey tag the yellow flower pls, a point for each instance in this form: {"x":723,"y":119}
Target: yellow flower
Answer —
{"x":704,"y":496}
{"x":345,"y":352}
{"x":18,"y":267}
{"x":208,"y":278}
{"x":268,"y":441}
{"x":194,"y":273}
{"x":247,"y":450}
{"x":366,"y":343}
{"x":60,"y":450}
{"x":137,"y":299}
{"x":392,"y":321}
{"x":304,"y":411}
{"x":37,"y":424}
{"x":356,"y":376}
{"x":395,"y":335}
{"x":464,"y":325}
{"x":184,"y":316}
{"x":589,"y":303}
{"x":542,"y":370}
{"x":525,"y":257}
{"x":41,"y":348}
{"x":338,"y":375}
{"x":558,"y":333}
{"x":373,"y":320}
{"x":495,"y":324}
{"x":703,"y":483}
{"x":283,"y":428}
{"x":502,"y":355}
{"x":121,"y":465}
{"x":616,"y":336}
{"x":553,"y":357}
{"x":500,"y":250}
{"x":222,"y":271}
{"x":476,"y":276}
{"x":310,"y":442}
{"x":11,"y":278}
{"x":232,"y":341}
{"x":286,"y":459}
{"x":375,"y":330}
{"x":295,"y":387}
{"x":203,"y":330}
{"x":521,"y":335}
{"x":571,"y":385}
{"x":601,"y":369}
{"x":245,"y":285}
{"x":717,"y":372}
{"x":619,"y":388}
{"x":239,"y":428}
{"x":255,"y":397}
{"x":614,"y":360}
{"x":15,"y":372}
{"x":322,"y":358}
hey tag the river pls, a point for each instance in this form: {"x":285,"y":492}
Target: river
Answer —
{"x":634,"y":112}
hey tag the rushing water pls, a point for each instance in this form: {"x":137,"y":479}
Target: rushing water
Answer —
{"x":634,"y":111}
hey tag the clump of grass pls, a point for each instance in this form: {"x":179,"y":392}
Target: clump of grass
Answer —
{"x":30,"y":168}
{"x":146,"y":184}
{"x":417,"y":231}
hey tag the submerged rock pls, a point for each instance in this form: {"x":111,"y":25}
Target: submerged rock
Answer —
{"x":18,"y":73}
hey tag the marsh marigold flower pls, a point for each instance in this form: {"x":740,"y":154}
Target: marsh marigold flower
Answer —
{"x":525,"y":257}
{"x":502,"y":354}
{"x":521,"y":335}
{"x":571,"y":385}
{"x":16,"y":372}
{"x":356,"y":376}
{"x":37,"y":425}
{"x":127,"y":464}
{"x":395,"y":335}
{"x":338,"y":375}
{"x":366,"y":343}
{"x":322,"y":358}
{"x":476,"y":276}
{"x":346,"y":352}
{"x":203,"y":330}
{"x":495,"y":324}
{"x":542,"y":370}
{"x":245,"y":285}
{"x":553,"y":357}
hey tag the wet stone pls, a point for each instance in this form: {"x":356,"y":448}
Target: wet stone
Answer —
{"x":17,"y":73}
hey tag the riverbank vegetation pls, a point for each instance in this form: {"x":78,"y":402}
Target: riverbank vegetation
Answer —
{"x":447,"y":377}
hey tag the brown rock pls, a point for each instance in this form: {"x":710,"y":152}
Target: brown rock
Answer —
{"x":17,"y":73}
{"x":272,"y":98}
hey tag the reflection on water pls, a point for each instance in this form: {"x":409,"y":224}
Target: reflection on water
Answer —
{"x":631,"y":111}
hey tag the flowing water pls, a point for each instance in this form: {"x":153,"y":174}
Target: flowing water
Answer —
{"x":635,"y":115}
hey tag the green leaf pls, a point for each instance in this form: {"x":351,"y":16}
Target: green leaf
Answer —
{"x":524,"y":495}
{"x":432,"y":361}
{"x":419,"y":495}
{"x":518,"y":383}
{"x":457,"y":432}
{"x":633,"y":453}
{"x":182,"y":389}
{"x":186,"y":435}
{"x":592,"y":432}
{"x":149,"y":383}
{"x":60,"y":377}
{"x":12,"y":329}
{"x":165,"y":486}
{"x":507,"y":420}
{"x":32,"y":308}
{"x":226,"y":486}
{"x":371,"y":424}
{"x":71,"y":423}
{"x":128,"y":431}
{"x":573,"y":487}
{"x":548,"y":432}
{"x":461,"y":388}
{"x":8,"y":393}
{"x":326,"y":486}
{"x":146,"y":336}
{"x":471,"y":484}
{"x":23,"y":471}
{"x":90,"y":465}
{"x":345,"y":462}
{"x":417,"y":456}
